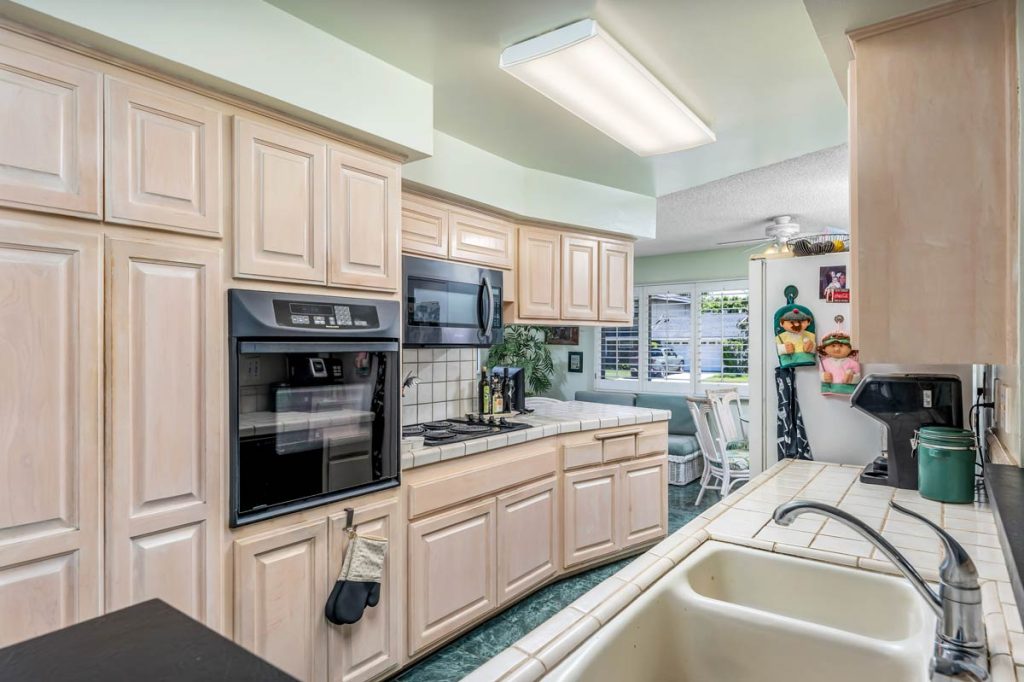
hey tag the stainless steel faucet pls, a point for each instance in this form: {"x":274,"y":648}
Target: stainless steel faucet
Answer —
{"x":960,"y":651}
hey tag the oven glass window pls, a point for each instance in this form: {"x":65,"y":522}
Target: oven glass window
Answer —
{"x":309,"y":424}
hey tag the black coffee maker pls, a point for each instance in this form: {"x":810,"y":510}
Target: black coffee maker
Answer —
{"x":904,"y":403}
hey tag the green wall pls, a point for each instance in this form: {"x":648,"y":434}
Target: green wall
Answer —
{"x":689,"y":266}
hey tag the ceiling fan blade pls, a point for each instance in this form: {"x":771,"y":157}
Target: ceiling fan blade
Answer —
{"x":758,"y":240}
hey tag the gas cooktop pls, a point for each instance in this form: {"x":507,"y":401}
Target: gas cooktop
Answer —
{"x":457,"y":430}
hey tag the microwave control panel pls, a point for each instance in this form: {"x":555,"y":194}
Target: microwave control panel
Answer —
{"x":306,"y":315}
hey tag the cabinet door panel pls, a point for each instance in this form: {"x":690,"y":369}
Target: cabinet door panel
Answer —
{"x":476,"y":238}
{"x":281,"y":586}
{"x":280,"y":204}
{"x":165,"y":424}
{"x":50,"y":433}
{"x":364,"y":221}
{"x":50,"y":137}
{"x":591,"y":514}
{"x":579,"y":278}
{"x":163,"y":159}
{"x":451,"y":572}
{"x":644,"y":500}
{"x":615,"y":289}
{"x":424,"y":227}
{"x":539,"y":275}
{"x":527,"y":538}
{"x":366,"y":649}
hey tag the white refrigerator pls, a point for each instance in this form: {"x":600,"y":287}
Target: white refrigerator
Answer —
{"x":836,"y":432}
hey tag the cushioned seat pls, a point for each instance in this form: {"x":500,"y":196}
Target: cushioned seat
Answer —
{"x":606,"y":397}
{"x":681,"y":422}
{"x":683,"y":446}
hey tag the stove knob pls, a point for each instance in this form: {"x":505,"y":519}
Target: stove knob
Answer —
{"x":491,"y":421}
{"x":470,"y":417}
{"x":503,"y":421}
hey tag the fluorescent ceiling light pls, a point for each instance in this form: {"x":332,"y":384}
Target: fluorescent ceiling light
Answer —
{"x":585,"y":70}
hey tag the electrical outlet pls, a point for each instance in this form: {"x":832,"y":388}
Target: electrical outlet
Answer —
{"x":1005,"y":409}
{"x":252,"y":368}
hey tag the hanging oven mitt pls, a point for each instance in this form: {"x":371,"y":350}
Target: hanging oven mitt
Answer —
{"x":358,"y":584}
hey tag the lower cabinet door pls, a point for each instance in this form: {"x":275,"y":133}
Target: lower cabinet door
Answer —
{"x":644,"y":500}
{"x":368,"y":648}
{"x":451,"y":572}
{"x":527,"y":538}
{"x":591,"y":513}
{"x":281,"y":587}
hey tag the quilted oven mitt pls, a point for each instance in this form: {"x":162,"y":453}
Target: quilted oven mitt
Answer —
{"x":358,"y":584}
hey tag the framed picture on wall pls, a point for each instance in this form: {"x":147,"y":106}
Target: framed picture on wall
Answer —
{"x":563,"y":336}
{"x":832,"y":287}
{"x":576,"y":361}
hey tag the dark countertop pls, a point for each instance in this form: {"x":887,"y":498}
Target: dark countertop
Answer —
{"x":149,"y":641}
{"x":1005,"y":485}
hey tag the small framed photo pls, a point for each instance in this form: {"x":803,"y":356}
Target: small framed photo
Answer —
{"x":576,"y":361}
{"x":832,"y":287}
{"x":563,"y":336}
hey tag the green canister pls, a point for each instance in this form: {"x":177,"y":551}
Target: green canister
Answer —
{"x":945,"y":463}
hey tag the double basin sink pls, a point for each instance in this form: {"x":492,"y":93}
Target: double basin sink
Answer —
{"x":746,"y":615}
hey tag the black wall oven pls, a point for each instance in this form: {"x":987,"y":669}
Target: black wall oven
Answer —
{"x":450,"y":304}
{"x":314,"y":400}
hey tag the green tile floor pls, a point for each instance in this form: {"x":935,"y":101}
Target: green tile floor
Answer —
{"x":479,"y":645}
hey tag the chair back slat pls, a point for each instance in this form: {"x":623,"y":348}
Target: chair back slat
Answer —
{"x":702,"y":413}
{"x":725,"y":403}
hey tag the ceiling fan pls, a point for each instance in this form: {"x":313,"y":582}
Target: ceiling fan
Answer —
{"x":780,"y":231}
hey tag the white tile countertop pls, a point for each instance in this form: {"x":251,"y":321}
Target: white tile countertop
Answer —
{"x":744,"y":518}
{"x":546,"y":420}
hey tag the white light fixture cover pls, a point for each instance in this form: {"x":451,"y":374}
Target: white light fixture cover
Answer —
{"x":585,"y":70}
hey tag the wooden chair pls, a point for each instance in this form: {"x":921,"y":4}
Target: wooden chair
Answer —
{"x":721,"y":464}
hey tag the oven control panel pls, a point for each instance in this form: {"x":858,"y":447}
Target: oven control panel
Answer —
{"x":306,"y":315}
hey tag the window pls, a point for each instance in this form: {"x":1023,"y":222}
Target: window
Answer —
{"x":685,"y":338}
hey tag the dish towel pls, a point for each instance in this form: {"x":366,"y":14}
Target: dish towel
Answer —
{"x":792,"y":443}
{"x":358,"y":584}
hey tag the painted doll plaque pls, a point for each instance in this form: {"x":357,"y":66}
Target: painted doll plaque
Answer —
{"x":840,"y":368}
{"x":794,"y":333}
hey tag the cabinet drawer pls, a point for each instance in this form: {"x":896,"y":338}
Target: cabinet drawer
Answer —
{"x":584,"y":454}
{"x":619,"y":448}
{"x":651,"y":443}
{"x":488,"y":479}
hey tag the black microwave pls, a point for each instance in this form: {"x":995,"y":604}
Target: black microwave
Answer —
{"x":451,"y":304}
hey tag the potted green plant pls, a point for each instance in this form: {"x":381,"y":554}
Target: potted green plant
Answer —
{"x":524,"y":346}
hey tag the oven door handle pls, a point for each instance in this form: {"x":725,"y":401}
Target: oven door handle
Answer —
{"x":315,"y":346}
{"x":489,"y":293}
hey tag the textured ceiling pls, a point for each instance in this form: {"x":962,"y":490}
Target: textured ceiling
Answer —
{"x":813,"y":189}
{"x":754,"y":70}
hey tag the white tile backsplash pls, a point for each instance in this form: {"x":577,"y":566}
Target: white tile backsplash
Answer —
{"x":447,"y":386}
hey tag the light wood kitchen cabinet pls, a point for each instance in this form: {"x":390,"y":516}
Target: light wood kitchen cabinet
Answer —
{"x":424,"y":226}
{"x":164,"y":163}
{"x":591,"y":514}
{"x":644,"y":511}
{"x":481,"y":239}
{"x":165,"y":320}
{"x":579,"y":278}
{"x":528,"y":538}
{"x":364,"y":220}
{"x":50,"y":137}
{"x":50,"y":360}
{"x":281,"y":586}
{"x":615,"y":282}
{"x":934,"y":182}
{"x":452,"y":578}
{"x":540,"y":279}
{"x":367,"y":649}
{"x":280,"y":204}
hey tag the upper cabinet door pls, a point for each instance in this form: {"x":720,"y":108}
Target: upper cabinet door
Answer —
{"x":163,"y":159}
{"x":280,"y":204}
{"x":50,"y":431}
{"x":579,"y":278}
{"x":539,"y":277}
{"x":165,"y":373}
{"x":50,"y":133}
{"x":364,"y":197}
{"x":424,"y":226}
{"x":476,"y":238}
{"x":615,"y":290}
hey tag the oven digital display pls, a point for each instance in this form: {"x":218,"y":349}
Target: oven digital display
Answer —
{"x":325,"y":315}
